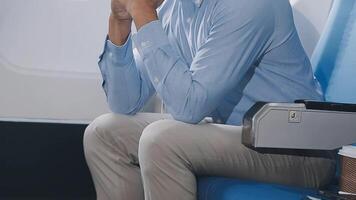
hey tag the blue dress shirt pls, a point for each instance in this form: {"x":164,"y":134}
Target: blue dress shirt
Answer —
{"x":210,"y":58}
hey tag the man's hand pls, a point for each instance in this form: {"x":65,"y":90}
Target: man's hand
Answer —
{"x":124,"y":11}
{"x":142,"y":11}
{"x":119,"y":22}
{"x":118,"y":10}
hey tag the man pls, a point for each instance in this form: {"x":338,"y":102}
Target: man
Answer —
{"x":204,"y":58}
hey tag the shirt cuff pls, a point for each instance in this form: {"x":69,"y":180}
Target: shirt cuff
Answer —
{"x":120,"y":55}
{"x":150,"y":37}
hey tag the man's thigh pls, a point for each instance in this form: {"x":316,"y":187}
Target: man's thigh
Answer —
{"x":216,"y":150}
{"x":119,"y":132}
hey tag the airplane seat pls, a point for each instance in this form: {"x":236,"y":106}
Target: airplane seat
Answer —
{"x":334,"y":64}
{"x":334,"y":60}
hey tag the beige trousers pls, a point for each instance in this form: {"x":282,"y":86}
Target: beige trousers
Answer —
{"x":152,"y":157}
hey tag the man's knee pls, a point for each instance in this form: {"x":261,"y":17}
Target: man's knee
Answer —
{"x":157,"y":143}
{"x":105,"y":130}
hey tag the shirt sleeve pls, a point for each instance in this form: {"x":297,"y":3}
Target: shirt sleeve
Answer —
{"x":192,"y":92}
{"x":125,"y":82}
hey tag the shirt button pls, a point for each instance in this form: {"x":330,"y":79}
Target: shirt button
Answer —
{"x":156,"y":80}
{"x":110,"y":55}
{"x":198,"y":2}
{"x":146,"y":44}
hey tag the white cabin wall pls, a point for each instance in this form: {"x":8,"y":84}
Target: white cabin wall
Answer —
{"x":48,"y":58}
{"x":49,"y":49}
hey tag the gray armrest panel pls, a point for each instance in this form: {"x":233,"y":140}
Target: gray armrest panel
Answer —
{"x":294,"y":126}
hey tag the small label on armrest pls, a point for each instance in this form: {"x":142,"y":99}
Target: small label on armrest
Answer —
{"x":295,"y":116}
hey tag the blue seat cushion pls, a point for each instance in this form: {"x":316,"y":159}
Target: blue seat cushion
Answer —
{"x":217,"y":188}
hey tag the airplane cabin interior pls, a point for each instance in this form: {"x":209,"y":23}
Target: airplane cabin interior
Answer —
{"x":51,"y":90}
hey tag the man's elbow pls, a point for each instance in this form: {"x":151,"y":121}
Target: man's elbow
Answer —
{"x":117,"y":109}
{"x":189,"y":118}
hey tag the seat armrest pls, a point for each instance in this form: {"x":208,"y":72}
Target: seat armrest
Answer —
{"x":332,"y":106}
{"x":300,"y":125}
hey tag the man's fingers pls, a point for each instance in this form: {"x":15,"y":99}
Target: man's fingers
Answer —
{"x":119,"y":10}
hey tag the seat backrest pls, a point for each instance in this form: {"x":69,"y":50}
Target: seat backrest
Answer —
{"x":309,"y":23}
{"x":334,"y":59}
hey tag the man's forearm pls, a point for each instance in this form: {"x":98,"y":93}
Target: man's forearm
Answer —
{"x":143,"y":14}
{"x":119,"y":30}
